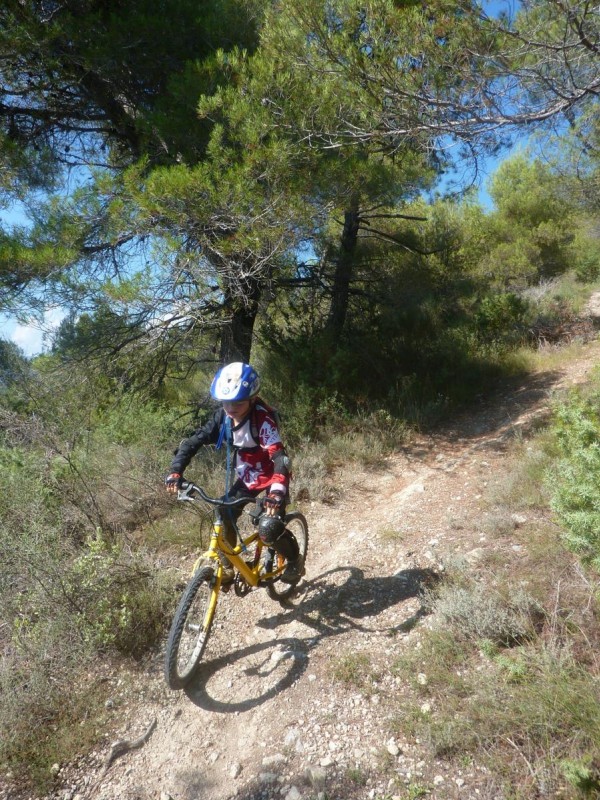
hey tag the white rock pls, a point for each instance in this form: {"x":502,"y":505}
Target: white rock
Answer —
{"x":235,"y":770}
{"x":291,"y":736}
{"x":267,"y":777}
{"x":293,"y":794}
{"x":439,"y":779}
{"x":422,"y":679}
{"x":316,"y":776}
{"x":474,"y":556}
{"x":274,"y":760}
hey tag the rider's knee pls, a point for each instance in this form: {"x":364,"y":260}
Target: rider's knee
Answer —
{"x":270,"y":529}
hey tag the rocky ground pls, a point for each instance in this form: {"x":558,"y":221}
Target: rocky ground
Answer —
{"x":269,"y":716}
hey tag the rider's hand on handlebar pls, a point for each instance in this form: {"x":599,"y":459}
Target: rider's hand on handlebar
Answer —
{"x":173,"y":482}
{"x":273,"y":502}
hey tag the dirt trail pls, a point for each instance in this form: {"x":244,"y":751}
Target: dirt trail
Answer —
{"x":266,"y":719}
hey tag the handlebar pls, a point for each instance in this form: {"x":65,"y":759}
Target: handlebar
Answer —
{"x":187,"y":490}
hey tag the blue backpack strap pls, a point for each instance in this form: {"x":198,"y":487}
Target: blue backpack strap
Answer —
{"x":225,"y":435}
{"x":229,"y":440}
{"x":222,"y":432}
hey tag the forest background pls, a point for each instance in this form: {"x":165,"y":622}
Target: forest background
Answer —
{"x":206,"y":182}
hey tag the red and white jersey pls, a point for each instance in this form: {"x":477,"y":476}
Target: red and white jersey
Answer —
{"x":259,"y":464}
{"x":254,"y":459}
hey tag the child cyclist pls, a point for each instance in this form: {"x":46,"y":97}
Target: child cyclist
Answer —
{"x":261,"y":463}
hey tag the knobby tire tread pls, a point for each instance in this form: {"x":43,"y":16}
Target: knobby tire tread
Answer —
{"x":172,"y":676}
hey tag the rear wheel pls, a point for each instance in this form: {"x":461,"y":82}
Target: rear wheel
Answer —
{"x":190,"y":629}
{"x":297,"y":525}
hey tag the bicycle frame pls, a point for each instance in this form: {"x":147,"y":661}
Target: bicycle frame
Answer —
{"x":252,"y":575}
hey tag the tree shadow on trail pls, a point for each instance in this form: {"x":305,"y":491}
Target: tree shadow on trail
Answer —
{"x":327,"y":609}
{"x":512,"y":408}
{"x":499,"y":410}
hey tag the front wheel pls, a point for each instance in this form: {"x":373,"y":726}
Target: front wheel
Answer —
{"x":297,"y":525}
{"x":190,"y":629}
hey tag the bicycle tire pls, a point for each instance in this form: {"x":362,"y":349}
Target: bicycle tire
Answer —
{"x":190,"y":629}
{"x":297,"y":524}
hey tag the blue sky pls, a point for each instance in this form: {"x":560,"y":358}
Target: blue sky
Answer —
{"x":30,"y":338}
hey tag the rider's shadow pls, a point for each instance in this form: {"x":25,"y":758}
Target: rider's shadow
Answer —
{"x":329,"y":609}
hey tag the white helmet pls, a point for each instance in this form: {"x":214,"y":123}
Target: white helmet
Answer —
{"x":237,"y":381}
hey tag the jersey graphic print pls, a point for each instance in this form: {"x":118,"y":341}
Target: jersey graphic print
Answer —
{"x":269,"y":434}
{"x":254,"y":462}
{"x":250,"y":476}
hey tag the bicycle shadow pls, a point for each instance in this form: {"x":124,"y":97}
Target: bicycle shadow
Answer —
{"x":295,"y":656}
{"x":326,"y":609}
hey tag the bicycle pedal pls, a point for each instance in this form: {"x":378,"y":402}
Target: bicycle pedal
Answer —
{"x":241,"y":587}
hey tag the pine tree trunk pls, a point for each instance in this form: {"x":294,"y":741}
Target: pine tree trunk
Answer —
{"x":236,"y":336}
{"x":344,"y":270}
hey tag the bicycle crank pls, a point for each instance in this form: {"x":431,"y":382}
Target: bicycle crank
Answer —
{"x":240,"y":586}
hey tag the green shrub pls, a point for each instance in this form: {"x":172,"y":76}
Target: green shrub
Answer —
{"x":576,"y":475}
{"x":587,"y":267}
{"x":49,"y":715}
{"x":501,"y":316}
{"x":73,"y":589}
{"x":583,"y":775}
{"x":122,"y":601}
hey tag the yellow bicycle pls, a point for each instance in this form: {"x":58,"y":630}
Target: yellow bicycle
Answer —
{"x":253,"y":567}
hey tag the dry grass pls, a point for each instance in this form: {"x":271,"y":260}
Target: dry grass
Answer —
{"x":481,"y":612}
{"x":522,"y":484}
{"x":509,"y":667}
{"x":352,"y":669}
